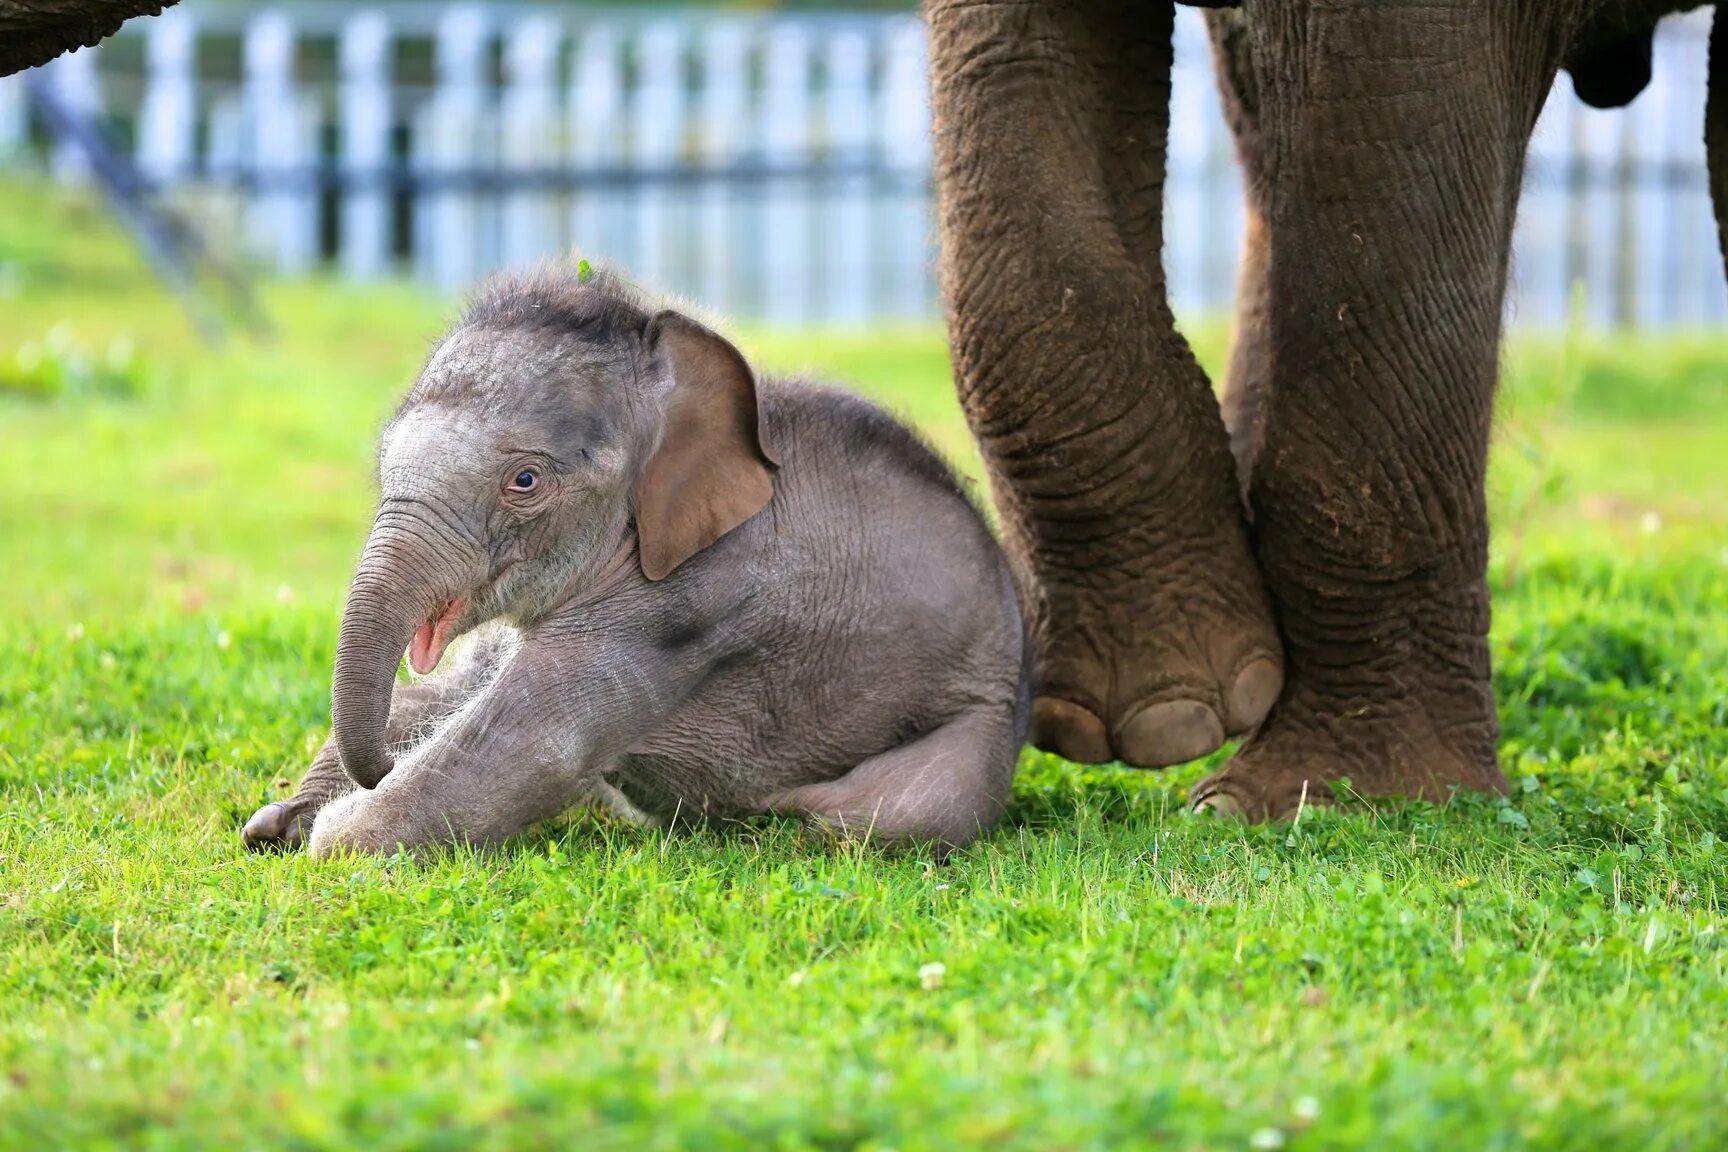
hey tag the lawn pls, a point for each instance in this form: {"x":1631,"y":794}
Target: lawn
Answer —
{"x":1549,"y":971}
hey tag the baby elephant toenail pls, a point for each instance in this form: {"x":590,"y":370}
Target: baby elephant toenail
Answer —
{"x":1174,"y":732}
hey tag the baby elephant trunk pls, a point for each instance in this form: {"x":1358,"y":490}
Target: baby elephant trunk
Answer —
{"x":404,"y":596}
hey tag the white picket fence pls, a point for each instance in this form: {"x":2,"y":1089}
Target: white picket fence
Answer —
{"x":770,"y":165}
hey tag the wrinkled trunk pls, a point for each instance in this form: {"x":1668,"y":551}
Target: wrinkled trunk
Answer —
{"x":1716,"y":125}
{"x":400,"y":582}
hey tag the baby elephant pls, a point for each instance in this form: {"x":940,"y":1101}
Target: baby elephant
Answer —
{"x":706,"y":596}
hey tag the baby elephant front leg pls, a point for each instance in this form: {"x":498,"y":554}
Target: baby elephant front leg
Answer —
{"x":941,"y":789}
{"x":483,"y":776}
{"x":524,"y":749}
{"x":414,"y":710}
{"x":284,"y":824}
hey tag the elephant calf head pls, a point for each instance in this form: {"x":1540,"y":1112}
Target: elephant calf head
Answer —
{"x":560,"y":433}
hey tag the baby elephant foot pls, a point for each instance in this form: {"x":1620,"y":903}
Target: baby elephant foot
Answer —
{"x":279,"y":827}
{"x":285,"y":825}
{"x":360,"y":822}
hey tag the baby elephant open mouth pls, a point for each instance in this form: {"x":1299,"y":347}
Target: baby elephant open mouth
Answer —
{"x":432,"y":637}
{"x":692,"y":591}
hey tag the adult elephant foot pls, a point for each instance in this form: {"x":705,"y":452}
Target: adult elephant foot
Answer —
{"x":1295,"y":763}
{"x":1160,"y":666}
{"x":1108,"y":457}
{"x":1388,"y":692}
{"x":1374,"y":284}
{"x":1384,"y":749}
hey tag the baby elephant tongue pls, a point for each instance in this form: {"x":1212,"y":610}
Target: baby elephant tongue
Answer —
{"x":430,"y":639}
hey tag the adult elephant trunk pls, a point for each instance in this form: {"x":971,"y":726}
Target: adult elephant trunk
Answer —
{"x":406,"y":594}
{"x":1716,"y":124}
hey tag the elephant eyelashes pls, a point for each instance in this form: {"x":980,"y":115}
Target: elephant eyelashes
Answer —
{"x":527,"y":488}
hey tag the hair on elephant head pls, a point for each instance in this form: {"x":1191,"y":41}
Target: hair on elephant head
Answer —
{"x":561,"y":431}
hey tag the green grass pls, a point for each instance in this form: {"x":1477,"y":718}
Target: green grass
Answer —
{"x":1545,"y":972}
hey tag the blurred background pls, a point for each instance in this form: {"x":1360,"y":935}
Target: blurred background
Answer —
{"x":772,"y":162}
{"x":228,"y":234}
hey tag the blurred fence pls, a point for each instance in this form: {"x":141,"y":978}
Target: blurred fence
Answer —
{"x":769,"y":164}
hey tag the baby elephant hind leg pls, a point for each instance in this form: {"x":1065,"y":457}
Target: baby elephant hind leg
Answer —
{"x":941,"y":789}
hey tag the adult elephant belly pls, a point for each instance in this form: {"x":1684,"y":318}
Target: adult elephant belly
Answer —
{"x":1154,"y":634}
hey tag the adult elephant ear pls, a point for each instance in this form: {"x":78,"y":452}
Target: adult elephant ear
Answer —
{"x":713,"y":468}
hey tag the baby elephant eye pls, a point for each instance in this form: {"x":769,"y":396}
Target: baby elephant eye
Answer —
{"x":526,"y":480}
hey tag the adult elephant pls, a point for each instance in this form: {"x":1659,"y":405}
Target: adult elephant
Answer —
{"x":33,"y":32}
{"x":1322,"y":589}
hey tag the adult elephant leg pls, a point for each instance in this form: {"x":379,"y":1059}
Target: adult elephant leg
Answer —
{"x":1393,"y":139}
{"x":1716,"y":124}
{"x":1103,"y":441}
{"x":1247,"y":376}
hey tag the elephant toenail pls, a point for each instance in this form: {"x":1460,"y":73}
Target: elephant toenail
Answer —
{"x":1174,"y":732}
{"x":1069,"y":731}
{"x":1253,"y":693}
{"x":1220,"y":804}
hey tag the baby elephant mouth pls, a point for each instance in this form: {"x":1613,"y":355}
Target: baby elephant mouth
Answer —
{"x":431,"y":638}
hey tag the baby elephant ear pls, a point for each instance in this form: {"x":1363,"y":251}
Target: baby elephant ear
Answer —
{"x":713,"y":469}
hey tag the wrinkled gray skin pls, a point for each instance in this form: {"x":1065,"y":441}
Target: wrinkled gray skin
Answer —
{"x":718,"y":598}
{"x":1305,"y":568}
